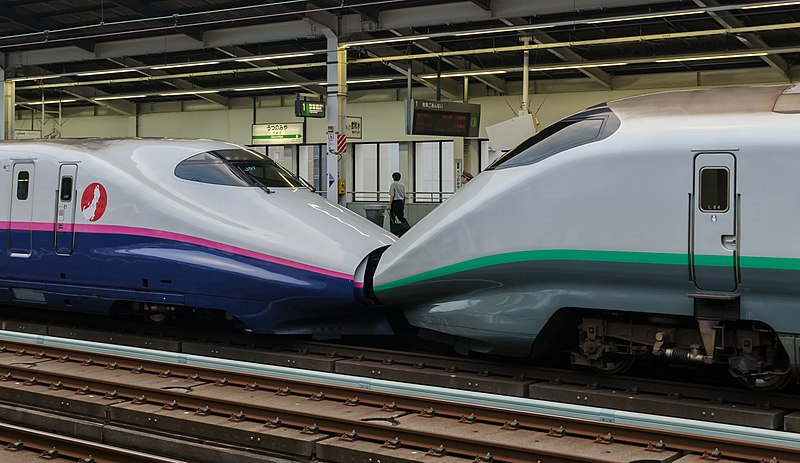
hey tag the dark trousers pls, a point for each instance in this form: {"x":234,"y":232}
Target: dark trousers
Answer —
{"x":397,"y":210}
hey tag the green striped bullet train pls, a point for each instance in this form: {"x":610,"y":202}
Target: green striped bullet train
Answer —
{"x":664,"y":225}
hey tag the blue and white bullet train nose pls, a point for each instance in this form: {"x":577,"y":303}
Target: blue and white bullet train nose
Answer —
{"x":159,"y":225}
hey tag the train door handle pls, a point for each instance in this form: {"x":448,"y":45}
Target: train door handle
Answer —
{"x":729,"y":242}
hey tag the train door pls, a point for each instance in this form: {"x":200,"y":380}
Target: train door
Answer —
{"x":20,"y":226}
{"x":65,"y":209}
{"x":714,"y":241}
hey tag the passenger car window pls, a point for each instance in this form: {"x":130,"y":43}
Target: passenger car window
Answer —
{"x":66,"y":189}
{"x":714,"y":189}
{"x":586,"y":127}
{"x":23,"y":183}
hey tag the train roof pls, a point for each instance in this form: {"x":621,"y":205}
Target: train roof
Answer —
{"x":113,"y":146}
{"x":714,"y":101}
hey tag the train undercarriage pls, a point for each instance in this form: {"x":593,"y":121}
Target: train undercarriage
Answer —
{"x":609,"y":342}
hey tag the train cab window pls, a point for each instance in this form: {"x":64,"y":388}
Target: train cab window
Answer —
{"x":714,"y":189}
{"x":260,"y":169}
{"x":236,"y":167}
{"x":66,"y":189}
{"x":208,"y":168}
{"x":23,"y":183}
{"x":591,"y":125}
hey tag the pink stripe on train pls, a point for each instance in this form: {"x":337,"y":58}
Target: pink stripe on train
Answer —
{"x":152,"y":233}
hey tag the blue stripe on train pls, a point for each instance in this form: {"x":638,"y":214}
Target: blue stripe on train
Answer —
{"x":266,"y":296}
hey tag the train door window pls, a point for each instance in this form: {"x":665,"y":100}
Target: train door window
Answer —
{"x":23,"y":184}
{"x":66,"y":189}
{"x":714,"y":182}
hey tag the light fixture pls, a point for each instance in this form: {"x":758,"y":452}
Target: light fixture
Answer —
{"x":769,"y":5}
{"x":117,"y":97}
{"x":363,"y":81}
{"x":699,"y":58}
{"x":271,"y":57}
{"x":67,"y":100}
{"x":264,"y":87}
{"x":503,"y":29}
{"x":462,"y":74}
{"x":575,"y":66}
{"x":27,"y":79}
{"x":188,"y":92}
{"x":184,"y":65}
{"x":645,"y":16}
{"x":389,"y":40}
{"x":106,"y":71}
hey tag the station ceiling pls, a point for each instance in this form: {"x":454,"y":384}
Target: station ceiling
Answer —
{"x":119,"y":53}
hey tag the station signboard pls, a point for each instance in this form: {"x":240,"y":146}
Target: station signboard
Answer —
{"x":288,"y":133}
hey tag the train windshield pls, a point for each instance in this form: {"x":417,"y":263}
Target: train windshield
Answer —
{"x":237,"y":167}
{"x":588,"y":126}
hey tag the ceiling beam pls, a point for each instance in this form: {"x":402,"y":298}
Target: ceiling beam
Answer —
{"x":431,"y":46}
{"x":182,"y":84}
{"x":749,"y":39}
{"x":123,"y":107}
{"x":149,"y":10}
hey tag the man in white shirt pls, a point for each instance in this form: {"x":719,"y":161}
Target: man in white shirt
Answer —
{"x":397,"y":200}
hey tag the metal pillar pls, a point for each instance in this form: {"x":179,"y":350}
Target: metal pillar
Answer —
{"x":7,"y":113}
{"x":337,"y":102}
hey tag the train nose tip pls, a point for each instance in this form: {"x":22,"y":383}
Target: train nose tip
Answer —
{"x":362,"y":280}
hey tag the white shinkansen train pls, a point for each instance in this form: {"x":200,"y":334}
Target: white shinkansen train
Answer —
{"x":157,"y":226}
{"x":663,"y":225}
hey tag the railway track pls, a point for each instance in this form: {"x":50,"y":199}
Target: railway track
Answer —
{"x":296,"y":414}
{"x":681,"y":399}
{"x":22,"y":444}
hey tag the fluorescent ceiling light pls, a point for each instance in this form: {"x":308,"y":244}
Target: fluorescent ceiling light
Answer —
{"x":26,"y":79}
{"x":503,"y":29}
{"x":364,"y":81}
{"x":188,"y":92}
{"x":264,"y":87}
{"x":117,"y":97}
{"x":462,"y":74}
{"x":184,"y":65}
{"x":67,"y":100}
{"x":107,"y":71}
{"x":389,"y":40}
{"x":647,"y":16}
{"x":770,"y":5}
{"x":699,"y":58}
{"x":261,"y":58}
{"x":574,"y":66}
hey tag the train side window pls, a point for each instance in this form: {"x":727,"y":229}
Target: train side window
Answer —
{"x":714,"y":189}
{"x":66,"y":189}
{"x":23,"y":183}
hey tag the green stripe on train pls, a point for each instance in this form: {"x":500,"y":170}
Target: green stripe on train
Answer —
{"x":776,"y":263}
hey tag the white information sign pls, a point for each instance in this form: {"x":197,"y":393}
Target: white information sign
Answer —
{"x":353,"y":127}
{"x":289,"y":133}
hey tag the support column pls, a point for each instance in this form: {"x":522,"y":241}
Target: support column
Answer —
{"x":336,"y":117}
{"x":7,"y":113}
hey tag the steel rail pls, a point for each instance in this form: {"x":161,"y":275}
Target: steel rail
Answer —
{"x":51,"y":446}
{"x":674,"y":438}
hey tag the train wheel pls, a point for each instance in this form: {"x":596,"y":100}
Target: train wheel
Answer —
{"x":765,"y":382}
